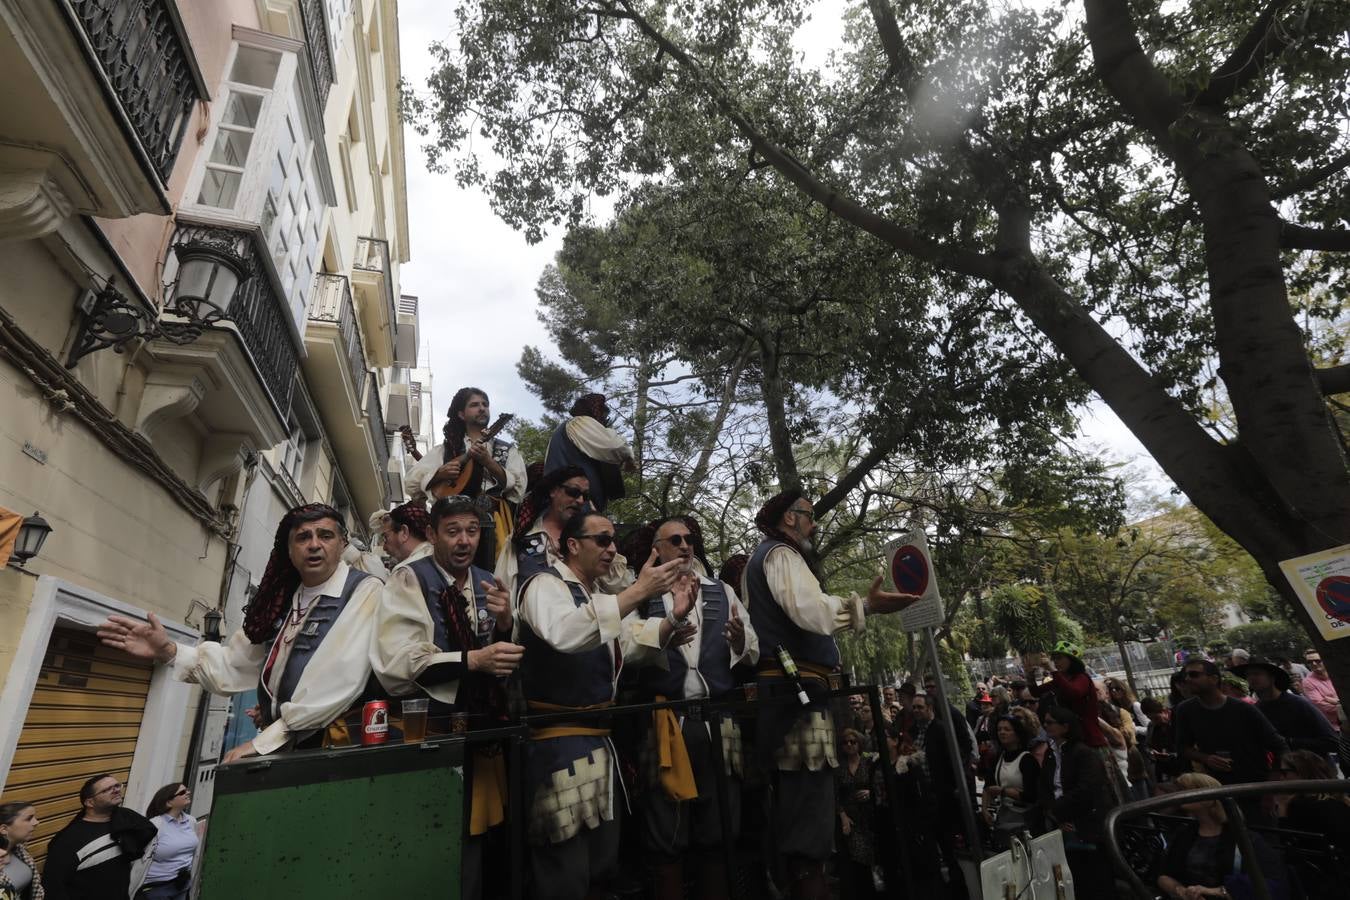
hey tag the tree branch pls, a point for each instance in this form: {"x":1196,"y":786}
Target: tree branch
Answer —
{"x":1248,"y":58}
{"x":1334,"y":379}
{"x":1310,"y":179}
{"x":1301,"y":237}
{"x":897,"y":54}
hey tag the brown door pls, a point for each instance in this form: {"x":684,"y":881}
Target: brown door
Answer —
{"x":83,"y":721}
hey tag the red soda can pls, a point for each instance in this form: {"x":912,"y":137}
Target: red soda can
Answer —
{"x":374,"y":723}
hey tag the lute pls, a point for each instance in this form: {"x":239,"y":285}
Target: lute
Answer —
{"x":468,"y":466}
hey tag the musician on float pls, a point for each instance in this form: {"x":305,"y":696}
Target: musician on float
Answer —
{"x":475,"y":462}
{"x":587,"y":442}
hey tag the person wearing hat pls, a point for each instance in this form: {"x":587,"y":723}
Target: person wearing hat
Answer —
{"x":1297,"y":720}
{"x":587,"y":442}
{"x":789,"y":610}
{"x":1069,"y":682}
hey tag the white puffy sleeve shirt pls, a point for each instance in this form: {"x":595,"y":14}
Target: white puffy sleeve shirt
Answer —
{"x":546,"y":605}
{"x":797,"y":590}
{"x":336,"y":675}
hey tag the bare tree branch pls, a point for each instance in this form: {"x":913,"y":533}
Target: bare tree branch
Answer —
{"x":1310,"y":179}
{"x":1248,"y":58}
{"x":1301,"y":237}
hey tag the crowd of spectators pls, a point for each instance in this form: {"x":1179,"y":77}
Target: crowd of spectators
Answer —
{"x":1061,"y":751}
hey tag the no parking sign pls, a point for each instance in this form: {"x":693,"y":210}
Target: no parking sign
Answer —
{"x":1322,"y":582}
{"x":911,"y":570}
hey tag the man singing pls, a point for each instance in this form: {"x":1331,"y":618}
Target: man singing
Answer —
{"x":789,"y":609}
{"x":305,"y":644}
{"x":443,"y":631}
{"x":575,"y":639}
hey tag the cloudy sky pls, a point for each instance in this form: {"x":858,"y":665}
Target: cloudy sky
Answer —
{"x":476,"y":276}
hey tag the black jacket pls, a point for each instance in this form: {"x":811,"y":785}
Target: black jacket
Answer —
{"x":1086,"y":796}
{"x":61,"y":878}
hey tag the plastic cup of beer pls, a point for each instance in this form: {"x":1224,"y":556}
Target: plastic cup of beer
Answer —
{"x":414,"y":721}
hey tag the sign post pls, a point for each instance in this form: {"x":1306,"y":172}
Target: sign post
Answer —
{"x":1322,"y":582}
{"x":911,"y":570}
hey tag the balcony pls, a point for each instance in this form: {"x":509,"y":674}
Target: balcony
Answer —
{"x":373,"y":280}
{"x":237,"y":376}
{"x":405,"y":342}
{"x":335,"y":368}
{"x":379,"y":436}
{"x":98,"y":96}
{"x":315,"y":18}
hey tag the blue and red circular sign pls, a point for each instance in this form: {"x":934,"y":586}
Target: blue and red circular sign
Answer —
{"x":909,"y":570}
{"x":1333,"y":595}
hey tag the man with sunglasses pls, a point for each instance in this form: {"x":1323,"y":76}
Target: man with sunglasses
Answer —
{"x":91,"y":858}
{"x":790,"y":610}
{"x":1231,"y":739}
{"x":576,"y":638}
{"x":691,"y":671}
{"x":1319,"y":690}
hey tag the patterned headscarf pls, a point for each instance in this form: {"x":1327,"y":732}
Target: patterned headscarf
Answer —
{"x":281,"y":578}
{"x":413,"y":516}
{"x":733,"y":569}
{"x":770,"y":516}
{"x":537,"y":499}
{"x":592,"y":405}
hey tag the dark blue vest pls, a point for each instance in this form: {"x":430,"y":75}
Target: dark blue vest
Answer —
{"x":320,"y":620}
{"x":566,"y":679}
{"x":534,"y":558}
{"x":771,"y":622}
{"x":606,"y":478}
{"x":714,"y":653}
{"x":433,"y":584}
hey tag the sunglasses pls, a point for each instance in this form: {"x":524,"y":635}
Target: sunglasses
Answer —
{"x":181,"y":792}
{"x":1314,"y":662}
{"x":575,"y":493}
{"x":679,"y":540}
{"x":1196,"y":673}
{"x":849,"y":741}
{"x":602,"y":540}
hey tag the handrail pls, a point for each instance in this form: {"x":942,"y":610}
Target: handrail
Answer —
{"x":1228,"y":795}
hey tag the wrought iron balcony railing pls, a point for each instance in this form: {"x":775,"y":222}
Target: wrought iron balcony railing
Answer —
{"x":144,"y":54}
{"x":315,"y":18}
{"x":334,"y":304}
{"x":257,"y":312}
{"x":379,"y":435}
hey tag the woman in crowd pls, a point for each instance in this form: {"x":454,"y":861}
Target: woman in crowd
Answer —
{"x":1039,"y":742}
{"x":1074,"y":794}
{"x":1158,"y":746}
{"x":1202,"y":860}
{"x":1009,"y":803}
{"x":169,"y":875}
{"x":1324,"y":814}
{"x":1120,"y":695}
{"x":18,"y":874}
{"x":1177,"y":692}
{"x":853,"y":800}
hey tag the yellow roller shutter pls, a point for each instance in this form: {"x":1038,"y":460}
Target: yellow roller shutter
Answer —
{"x":83,"y":720}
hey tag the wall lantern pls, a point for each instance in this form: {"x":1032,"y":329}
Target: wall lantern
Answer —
{"x":32,"y":535}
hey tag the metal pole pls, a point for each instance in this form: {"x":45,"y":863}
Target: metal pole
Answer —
{"x":516,"y":815}
{"x":954,"y":751}
{"x":1244,"y":840}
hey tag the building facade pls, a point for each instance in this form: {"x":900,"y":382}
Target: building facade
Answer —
{"x":203,"y":215}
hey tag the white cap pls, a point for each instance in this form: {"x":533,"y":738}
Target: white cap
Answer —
{"x":801,"y":695}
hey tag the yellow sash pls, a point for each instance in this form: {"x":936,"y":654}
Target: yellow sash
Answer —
{"x":487,"y":805}
{"x":674,"y":770}
{"x":555,"y":731}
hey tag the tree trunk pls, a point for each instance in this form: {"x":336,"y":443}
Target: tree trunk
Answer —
{"x":775,"y":410}
{"x":1125,"y":660}
{"x":700,"y":469}
{"x":643,"y":378}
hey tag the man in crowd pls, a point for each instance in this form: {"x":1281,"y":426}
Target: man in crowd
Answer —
{"x":1319,"y":690}
{"x":444,"y":631}
{"x":91,"y":858}
{"x":1231,"y":739}
{"x":587,"y":442}
{"x":575,"y":639}
{"x":405,"y":532}
{"x":691,"y":671}
{"x":790,"y":610}
{"x":1297,"y":720}
{"x":305,"y":643}
{"x":497,"y":481}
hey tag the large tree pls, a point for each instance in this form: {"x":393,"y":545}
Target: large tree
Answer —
{"x":1143,"y":181}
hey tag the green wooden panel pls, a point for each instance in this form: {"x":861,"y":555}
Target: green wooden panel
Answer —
{"x":367,"y":822}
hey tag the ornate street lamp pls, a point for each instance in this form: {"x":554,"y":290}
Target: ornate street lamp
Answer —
{"x":211,"y":621}
{"x":32,"y":535}
{"x":209,"y":273}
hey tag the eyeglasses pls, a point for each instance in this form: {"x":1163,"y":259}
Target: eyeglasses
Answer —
{"x":575,"y":493}
{"x":602,"y":540}
{"x":848,"y":741}
{"x":679,"y":540}
{"x":112,"y":787}
{"x":1313,"y":661}
{"x":807,"y":511}
{"x":182,"y":792}
{"x":1196,"y":673}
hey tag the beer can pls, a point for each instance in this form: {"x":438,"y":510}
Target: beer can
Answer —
{"x":374,"y":723}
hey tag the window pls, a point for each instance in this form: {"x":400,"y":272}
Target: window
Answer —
{"x":293,"y":452}
{"x":338,"y":10}
{"x":260,"y":168}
